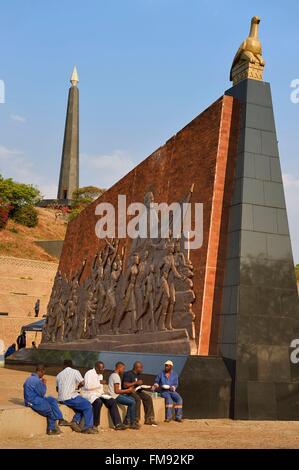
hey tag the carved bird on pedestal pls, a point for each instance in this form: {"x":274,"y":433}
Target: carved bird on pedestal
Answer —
{"x":251,"y":49}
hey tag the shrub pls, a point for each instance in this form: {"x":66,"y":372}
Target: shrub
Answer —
{"x":5,"y":209}
{"x":82,"y":197}
{"x":18,"y":194}
{"x":74,"y":213}
{"x":26,"y":215}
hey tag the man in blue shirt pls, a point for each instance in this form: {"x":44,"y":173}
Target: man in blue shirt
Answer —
{"x":11,"y":350}
{"x":35,"y":397}
{"x":166,"y":383}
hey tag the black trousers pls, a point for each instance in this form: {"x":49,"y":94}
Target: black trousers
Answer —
{"x":147,"y":401}
{"x":112,"y":407}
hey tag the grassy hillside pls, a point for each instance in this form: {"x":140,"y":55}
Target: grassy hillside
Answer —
{"x":18,"y":241}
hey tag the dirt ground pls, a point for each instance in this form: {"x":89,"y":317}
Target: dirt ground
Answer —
{"x":19,"y":241}
{"x":191,"y":434}
{"x":197,"y":434}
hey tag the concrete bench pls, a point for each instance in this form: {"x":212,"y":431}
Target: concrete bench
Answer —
{"x":20,"y":421}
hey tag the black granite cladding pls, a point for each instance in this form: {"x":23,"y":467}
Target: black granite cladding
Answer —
{"x":205,"y":385}
{"x":260,"y":309}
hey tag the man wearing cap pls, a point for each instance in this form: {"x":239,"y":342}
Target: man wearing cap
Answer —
{"x":166,"y":383}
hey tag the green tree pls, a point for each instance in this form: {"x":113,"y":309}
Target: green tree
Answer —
{"x":82,"y":197}
{"x":18,"y":194}
{"x":17,"y":201}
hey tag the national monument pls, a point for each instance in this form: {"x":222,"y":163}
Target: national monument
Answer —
{"x":226,"y":312}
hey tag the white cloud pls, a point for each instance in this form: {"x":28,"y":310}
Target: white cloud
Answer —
{"x":48,"y":190}
{"x":291,"y":186}
{"x":105,"y":170}
{"x":6,"y":152}
{"x":18,"y":118}
{"x":14,"y":164}
{"x":290,"y":181}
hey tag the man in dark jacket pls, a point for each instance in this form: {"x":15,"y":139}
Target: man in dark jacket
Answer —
{"x":133,"y":379}
{"x":21,"y":340}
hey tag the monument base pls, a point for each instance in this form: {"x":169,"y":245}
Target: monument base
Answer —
{"x":165,"y":342}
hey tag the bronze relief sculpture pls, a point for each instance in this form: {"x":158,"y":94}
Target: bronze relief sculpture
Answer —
{"x":151,"y":293}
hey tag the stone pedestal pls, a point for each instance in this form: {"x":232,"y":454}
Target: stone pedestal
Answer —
{"x":170,"y":342}
{"x":244,"y":70}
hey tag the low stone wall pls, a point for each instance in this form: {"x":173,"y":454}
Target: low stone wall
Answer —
{"x":19,"y":421}
{"x":53,"y":247}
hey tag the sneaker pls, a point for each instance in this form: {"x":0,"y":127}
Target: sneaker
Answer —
{"x":152,"y":422}
{"x":120,"y":427}
{"x":135,"y":426}
{"x":53,"y":432}
{"x":75,"y":427}
{"x":167,"y":420}
{"x":90,"y":431}
{"x":179,"y":420}
{"x":63,"y":422}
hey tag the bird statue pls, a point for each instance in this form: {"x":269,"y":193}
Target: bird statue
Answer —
{"x":251,"y":49}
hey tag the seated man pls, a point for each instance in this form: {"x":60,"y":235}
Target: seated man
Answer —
{"x":68,"y":381}
{"x":35,"y":397}
{"x":133,"y":379}
{"x":11,"y":350}
{"x":123,"y":396}
{"x":93,"y":391}
{"x":166,"y":383}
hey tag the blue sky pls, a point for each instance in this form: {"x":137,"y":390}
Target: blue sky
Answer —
{"x":146,"y":68}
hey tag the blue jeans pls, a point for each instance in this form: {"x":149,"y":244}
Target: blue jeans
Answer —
{"x":49,"y":408}
{"x":131,"y":404}
{"x":173,"y":400}
{"x":82,"y":407}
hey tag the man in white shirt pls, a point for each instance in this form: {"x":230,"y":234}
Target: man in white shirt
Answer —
{"x":93,"y":391}
{"x":68,"y":383}
{"x":123,"y":396}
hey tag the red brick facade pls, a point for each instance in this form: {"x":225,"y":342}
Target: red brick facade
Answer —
{"x":202,"y":153}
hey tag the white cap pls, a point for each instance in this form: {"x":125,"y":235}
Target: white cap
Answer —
{"x":168,"y":363}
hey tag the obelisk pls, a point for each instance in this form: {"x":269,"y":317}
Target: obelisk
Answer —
{"x":69,"y":169}
{"x":260,"y":308}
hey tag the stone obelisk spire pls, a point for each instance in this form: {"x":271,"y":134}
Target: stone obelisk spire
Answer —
{"x":69,"y":169}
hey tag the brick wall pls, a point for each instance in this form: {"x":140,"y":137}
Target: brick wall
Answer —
{"x":201,"y":153}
